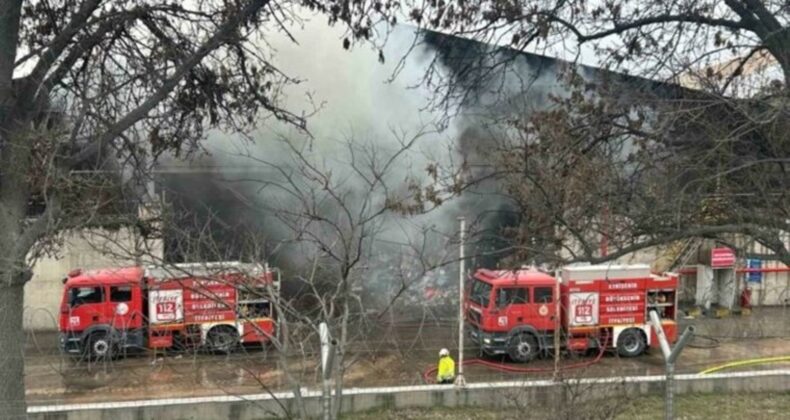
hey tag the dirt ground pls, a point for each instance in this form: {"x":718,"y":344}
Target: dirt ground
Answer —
{"x":396,"y":356}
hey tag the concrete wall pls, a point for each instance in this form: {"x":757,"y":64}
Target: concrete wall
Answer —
{"x":723,"y":287}
{"x":774,"y":289}
{"x":84,"y":249}
{"x":706,"y":287}
{"x":496,"y":395}
{"x":716,"y":288}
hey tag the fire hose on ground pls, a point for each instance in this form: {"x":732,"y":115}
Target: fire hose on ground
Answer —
{"x":429,"y":375}
{"x":701,"y":341}
{"x":746,"y":362}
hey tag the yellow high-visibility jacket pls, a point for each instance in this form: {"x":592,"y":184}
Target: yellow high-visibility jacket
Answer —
{"x":446,"y":369}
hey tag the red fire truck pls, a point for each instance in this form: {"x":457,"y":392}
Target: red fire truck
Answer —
{"x":516,"y":312}
{"x":211,"y":305}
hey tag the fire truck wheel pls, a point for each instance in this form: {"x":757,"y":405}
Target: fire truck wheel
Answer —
{"x":631,"y":343}
{"x":522,"y":347}
{"x":222,"y":339}
{"x":100,"y":347}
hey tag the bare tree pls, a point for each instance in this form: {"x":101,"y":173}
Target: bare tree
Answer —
{"x":640,"y":162}
{"x":595,"y":176}
{"x":95,"y":84}
{"x":338,"y":211}
{"x":652,"y":38}
{"x":346,"y":231}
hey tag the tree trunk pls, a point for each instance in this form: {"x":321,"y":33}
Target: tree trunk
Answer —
{"x":781,"y":53}
{"x":283,"y":353}
{"x":12,"y":364}
{"x":12,"y":337}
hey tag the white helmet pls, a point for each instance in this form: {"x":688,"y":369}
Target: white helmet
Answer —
{"x":444,"y":352}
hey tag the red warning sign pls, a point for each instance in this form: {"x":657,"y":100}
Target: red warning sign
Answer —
{"x":722,"y":257}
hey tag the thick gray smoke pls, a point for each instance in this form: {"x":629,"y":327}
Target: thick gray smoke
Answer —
{"x":359,"y":109}
{"x":458,"y":117}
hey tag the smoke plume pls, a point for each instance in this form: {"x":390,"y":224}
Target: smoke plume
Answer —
{"x":450,"y":90}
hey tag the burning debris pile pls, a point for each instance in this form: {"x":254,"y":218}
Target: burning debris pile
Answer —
{"x":398,"y":281}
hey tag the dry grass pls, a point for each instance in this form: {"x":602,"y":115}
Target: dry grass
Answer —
{"x":749,"y":406}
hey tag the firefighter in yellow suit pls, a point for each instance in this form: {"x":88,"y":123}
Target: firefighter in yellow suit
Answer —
{"x":446,"y":372}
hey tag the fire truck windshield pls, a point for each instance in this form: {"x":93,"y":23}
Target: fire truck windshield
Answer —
{"x":82,"y":295}
{"x":480,"y":293}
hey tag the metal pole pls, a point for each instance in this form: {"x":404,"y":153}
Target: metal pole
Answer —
{"x":670,"y":356}
{"x":459,"y":380}
{"x":327,"y":400}
{"x":669,"y":412}
{"x":327,"y":360}
{"x":662,"y":338}
{"x":557,"y":324}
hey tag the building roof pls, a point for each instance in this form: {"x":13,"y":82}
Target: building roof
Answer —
{"x":476,"y":65}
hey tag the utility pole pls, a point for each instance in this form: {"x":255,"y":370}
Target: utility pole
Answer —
{"x":670,"y":356}
{"x":459,"y":379}
{"x":557,"y":324}
{"x":327,"y":361}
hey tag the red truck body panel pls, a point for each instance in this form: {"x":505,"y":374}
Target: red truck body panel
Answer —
{"x":107,"y":296}
{"x":163,"y":308}
{"x":597,"y":303}
{"x":533,"y":301}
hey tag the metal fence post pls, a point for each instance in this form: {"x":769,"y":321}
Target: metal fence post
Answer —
{"x":459,"y":380}
{"x":327,"y":361}
{"x":670,"y":356}
{"x":670,"y":392}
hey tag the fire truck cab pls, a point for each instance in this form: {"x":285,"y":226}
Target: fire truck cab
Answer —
{"x":512,"y":312}
{"x":518,"y":313}
{"x":214,"y":305}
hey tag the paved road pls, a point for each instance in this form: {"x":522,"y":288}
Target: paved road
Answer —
{"x":394,"y":357}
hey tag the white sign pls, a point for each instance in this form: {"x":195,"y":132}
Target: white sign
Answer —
{"x":122,"y":309}
{"x":583,"y":309}
{"x":165,"y":306}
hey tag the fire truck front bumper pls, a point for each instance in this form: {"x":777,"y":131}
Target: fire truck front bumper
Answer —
{"x":71,"y":343}
{"x":490,"y":343}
